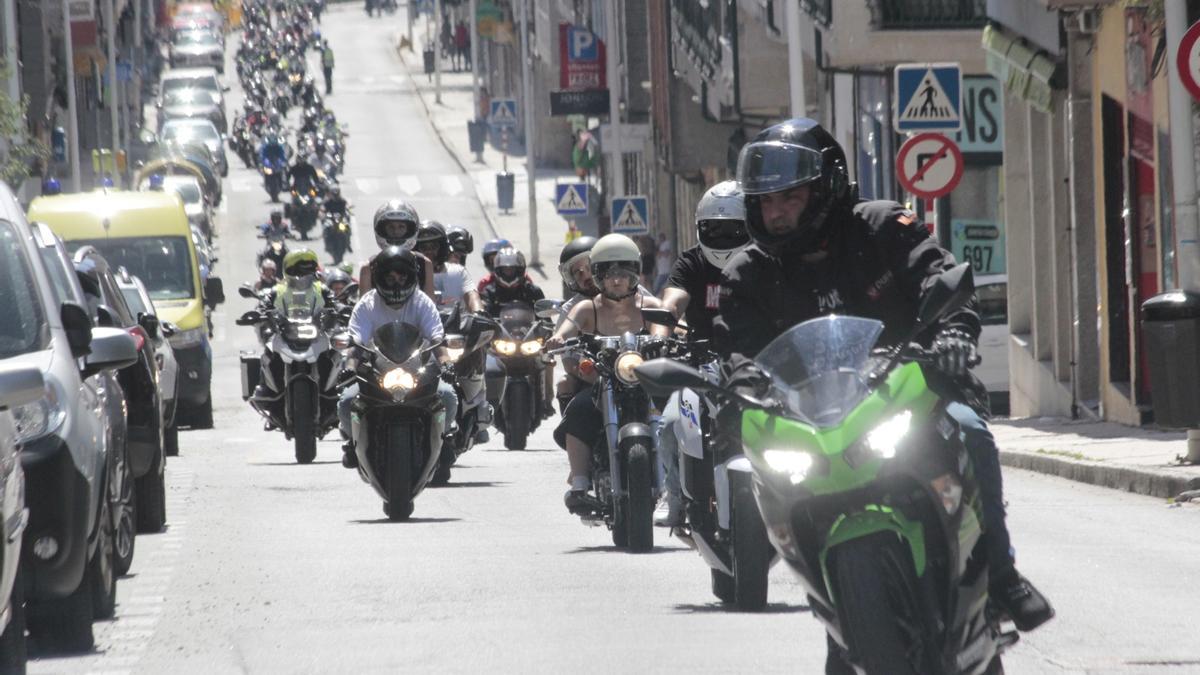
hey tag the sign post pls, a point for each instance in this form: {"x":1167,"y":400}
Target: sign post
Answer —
{"x":1187,"y":60}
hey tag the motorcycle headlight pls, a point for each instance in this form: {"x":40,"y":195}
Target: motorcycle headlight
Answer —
{"x":881,"y":442}
{"x":625,"y":365}
{"x":531,"y":347}
{"x":398,"y":379}
{"x":504,"y":347}
{"x":186,"y":339}
{"x":305,"y":332}
{"x":38,"y":418}
{"x":795,"y":464}
{"x":454,"y":353}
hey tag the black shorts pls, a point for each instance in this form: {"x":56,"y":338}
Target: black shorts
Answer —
{"x":581,"y":419}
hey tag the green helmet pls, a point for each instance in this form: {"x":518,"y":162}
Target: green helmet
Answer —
{"x":300,"y":263}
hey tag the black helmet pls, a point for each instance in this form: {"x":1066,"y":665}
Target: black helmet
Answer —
{"x":787,"y":155}
{"x":334,"y":275}
{"x":394,"y":275}
{"x":431,"y":231}
{"x":276,"y":216}
{"x":577,"y":249}
{"x":460,"y":239}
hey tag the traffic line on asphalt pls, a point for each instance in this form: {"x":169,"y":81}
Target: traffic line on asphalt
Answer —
{"x":409,"y":185}
{"x":451,"y":185}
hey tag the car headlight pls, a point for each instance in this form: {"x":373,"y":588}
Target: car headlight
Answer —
{"x":531,"y":347}
{"x":38,"y":418}
{"x":625,"y":365}
{"x":398,"y":379}
{"x":186,"y":339}
{"x":504,"y":347}
{"x":795,"y":464}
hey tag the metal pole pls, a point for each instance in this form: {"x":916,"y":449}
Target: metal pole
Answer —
{"x":72,"y":108}
{"x":411,"y":6}
{"x":613,"y":58}
{"x":437,"y":51}
{"x":474,"y":37}
{"x":530,"y":140}
{"x":791,"y":18}
{"x":138,"y":59}
{"x":10,"y":51}
{"x":114,"y":99}
{"x":1183,"y":167}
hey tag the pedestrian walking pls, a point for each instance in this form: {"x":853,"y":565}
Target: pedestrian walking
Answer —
{"x":327,"y":66}
{"x":462,"y":43}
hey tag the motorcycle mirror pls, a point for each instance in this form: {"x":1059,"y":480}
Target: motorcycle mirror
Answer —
{"x":348,"y":291}
{"x":951,"y":290}
{"x":250,"y":318}
{"x":662,"y":377}
{"x":547,"y":309}
{"x":246,"y":292}
{"x":658,"y":316}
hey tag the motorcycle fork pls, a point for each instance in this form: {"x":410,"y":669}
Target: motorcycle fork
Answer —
{"x":612,"y":425}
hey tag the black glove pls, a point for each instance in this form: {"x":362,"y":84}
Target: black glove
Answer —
{"x":447,"y":373}
{"x":954,"y":352}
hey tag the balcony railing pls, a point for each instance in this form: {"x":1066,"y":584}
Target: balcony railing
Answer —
{"x":927,"y":14}
{"x":697,"y":24}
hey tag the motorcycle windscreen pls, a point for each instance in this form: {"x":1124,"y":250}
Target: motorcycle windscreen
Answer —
{"x":516,"y":318}
{"x":396,"y":341}
{"x":816,"y":367}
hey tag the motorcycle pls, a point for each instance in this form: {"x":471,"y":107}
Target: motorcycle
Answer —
{"x":867,"y":491}
{"x":723,"y":522}
{"x":467,"y":338}
{"x":276,"y":249}
{"x":272,"y":173}
{"x":397,"y":419}
{"x":518,"y":359}
{"x":336,"y":232}
{"x":298,"y":369}
{"x":624,"y":466}
{"x":304,"y":209}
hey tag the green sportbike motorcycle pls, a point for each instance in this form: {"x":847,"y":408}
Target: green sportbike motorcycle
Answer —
{"x":868,"y":493}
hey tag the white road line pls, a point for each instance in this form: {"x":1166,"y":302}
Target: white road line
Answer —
{"x":366,"y":185}
{"x":241,"y":184}
{"x":451,"y":185}
{"x":410,"y":185}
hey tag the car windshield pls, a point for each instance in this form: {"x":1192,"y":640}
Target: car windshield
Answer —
{"x":197,"y":82}
{"x":196,"y":37}
{"x":190,"y":96}
{"x":188,"y":191}
{"x":816,"y":367}
{"x":186,"y":129}
{"x":162,"y":263}
{"x":24,"y":328}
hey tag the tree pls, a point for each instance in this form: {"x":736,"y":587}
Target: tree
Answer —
{"x":20,"y":151}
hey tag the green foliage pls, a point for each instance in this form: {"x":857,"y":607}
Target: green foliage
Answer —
{"x":20,"y":151}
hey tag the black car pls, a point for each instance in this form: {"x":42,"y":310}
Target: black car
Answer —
{"x":140,"y":382}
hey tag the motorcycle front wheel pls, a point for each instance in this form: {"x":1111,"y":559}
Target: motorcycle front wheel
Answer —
{"x":398,"y":472}
{"x":303,"y":397}
{"x":516,"y":415}
{"x":640,"y":512}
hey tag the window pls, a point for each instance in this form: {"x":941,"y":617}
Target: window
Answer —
{"x":162,"y":263}
{"x":24,"y":328}
{"x":993,"y":304}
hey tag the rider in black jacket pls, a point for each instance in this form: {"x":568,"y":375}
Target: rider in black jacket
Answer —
{"x":818,"y":250}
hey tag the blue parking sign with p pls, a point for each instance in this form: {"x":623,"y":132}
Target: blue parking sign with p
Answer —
{"x":582,"y":45}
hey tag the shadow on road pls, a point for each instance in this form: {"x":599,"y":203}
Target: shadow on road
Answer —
{"x":614,"y":549}
{"x":471,"y":483}
{"x":410,"y":521}
{"x":293,"y":463}
{"x":719,"y":608}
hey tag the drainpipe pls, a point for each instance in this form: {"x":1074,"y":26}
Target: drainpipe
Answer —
{"x":791,"y":19}
{"x":613,"y":53}
{"x":72,"y":106}
{"x":530,"y":134}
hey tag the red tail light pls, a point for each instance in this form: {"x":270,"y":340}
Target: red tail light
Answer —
{"x":139,"y":336}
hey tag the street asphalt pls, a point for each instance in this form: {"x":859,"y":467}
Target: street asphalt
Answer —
{"x":271,"y":567}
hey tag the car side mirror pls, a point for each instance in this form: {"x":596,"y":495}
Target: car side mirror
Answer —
{"x":168,"y":328}
{"x":251,"y":318}
{"x":20,"y":385}
{"x":150,"y":324}
{"x":78,"y":327}
{"x":112,"y":349}
{"x":214,"y":292}
{"x":105,"y":316}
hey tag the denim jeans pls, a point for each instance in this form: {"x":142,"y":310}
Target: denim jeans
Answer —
{"x":445,"y":392}
{"x":668,"y":456}
{"x":985,"y":456}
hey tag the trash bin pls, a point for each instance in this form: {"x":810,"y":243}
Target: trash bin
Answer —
{"x":1171,"y":330}
{"x":477,"y":134}
{"x":505,"y":185}
{"x":428,"y":54}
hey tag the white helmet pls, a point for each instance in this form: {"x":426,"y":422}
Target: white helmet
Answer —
{"x":616,"y":254}
{"x":721,"y":223}
{"x":397,"y":210}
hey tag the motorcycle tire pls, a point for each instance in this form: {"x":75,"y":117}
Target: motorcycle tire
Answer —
{"x":303,"y":397}
{"x":752,"y":553}
{"x":274,"y":195}
{"x":723,"y":587}
{"x":202,"y":417}
{"x":640,"y":479}
{"x":865,"y":574}
{"x":441,"y":474}
{"x":516,"y":415}
{"x":399,"y":470}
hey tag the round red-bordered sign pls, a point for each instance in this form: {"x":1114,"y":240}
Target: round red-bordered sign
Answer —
{"x":929,"y":165}
{"x":1187,"y":60}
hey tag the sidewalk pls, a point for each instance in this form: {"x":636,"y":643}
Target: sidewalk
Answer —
{"x":449,"y":120}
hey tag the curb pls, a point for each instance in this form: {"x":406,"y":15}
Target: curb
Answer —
{"x":446,"y":144}
{"x":1115,"y":476}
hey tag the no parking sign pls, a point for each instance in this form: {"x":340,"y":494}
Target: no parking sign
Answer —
{"x":1187,"y":60}
{"x":929,"y":165}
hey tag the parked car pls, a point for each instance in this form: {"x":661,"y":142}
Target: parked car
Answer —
{"x":197,"y":48}
{"x":195,"y":205}
{"x":67,"y":453}
{"x":159,"y":332}
{"x":991,"y":291}
{"x":192,"y":104}
{"x":19,"y":386}
{"x":194,"y":130}
{"x":192,"y":78}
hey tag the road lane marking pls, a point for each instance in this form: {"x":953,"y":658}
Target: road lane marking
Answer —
{"x":410,"y":185}
{"x":451,"y":185}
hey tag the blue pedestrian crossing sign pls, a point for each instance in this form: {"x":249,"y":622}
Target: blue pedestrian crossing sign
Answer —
{"x":631,"y":215}
{"x":928,"y":97}
{"x":503,"y":112}
{"x":571,"y":199}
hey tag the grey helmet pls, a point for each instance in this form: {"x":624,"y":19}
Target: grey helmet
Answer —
{"x":397,"y":210}
{"x":721,"y":223}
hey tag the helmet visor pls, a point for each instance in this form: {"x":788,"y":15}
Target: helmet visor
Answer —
{"x":604,"y":270}
{"x":509,"y":274}
{"x":723,"y":234}
{"x":771,"y":166}
{"x":396,"y":230}
{"x":302,"y":268}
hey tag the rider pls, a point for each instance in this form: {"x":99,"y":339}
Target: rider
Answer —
{"x":818,"y":249}
{"x":335,"y":204}
{"x":396,"y":223}
{"x":336,"y":280}
{"x":394,"y":299}
{"x":276,"y":227}
{"x":452,"y":280}
{"x":462,"y":244}
{"x":575,"y":267}
{"x":302,"y":174}
{"x":272,"y":152}
{"x":616,"y":264}
{"x":490,"y":249}
{"x":268,"y":275}
{"x":510,"y":284}
{"x":721,"y":230}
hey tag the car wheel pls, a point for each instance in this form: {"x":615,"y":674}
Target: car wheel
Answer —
{"x":124,"y":508}
{"x":102,"y":568}
{"x":202,"y":418}
{"x":152,"y":498}
{"x":12,"y":643}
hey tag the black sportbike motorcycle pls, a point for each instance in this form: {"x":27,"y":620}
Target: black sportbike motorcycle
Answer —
{"x":467,"y":338}
{"x":517,"y":357}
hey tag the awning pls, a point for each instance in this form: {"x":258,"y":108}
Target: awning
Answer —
{"x":1028,"y":73}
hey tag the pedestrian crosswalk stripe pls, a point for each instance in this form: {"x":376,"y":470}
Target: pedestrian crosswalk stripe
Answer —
{"x":366,"y":185}
{"x":451,"y":185}
{"x":410,"y":185}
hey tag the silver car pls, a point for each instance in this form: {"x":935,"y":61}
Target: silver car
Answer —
{"x":192,"y":103}
{"x":197,"y":48}
{"x":138,"y":299}
{"x":19,"y":386}
{"x":198,"y":131}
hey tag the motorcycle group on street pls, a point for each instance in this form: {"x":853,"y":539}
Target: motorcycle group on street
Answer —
{"x":800,"y":392}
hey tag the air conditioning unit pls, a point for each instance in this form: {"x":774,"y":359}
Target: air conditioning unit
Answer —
{"x":1088,"y":21}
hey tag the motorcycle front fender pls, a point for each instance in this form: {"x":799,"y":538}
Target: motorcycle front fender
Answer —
{"x":734,"y":473}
